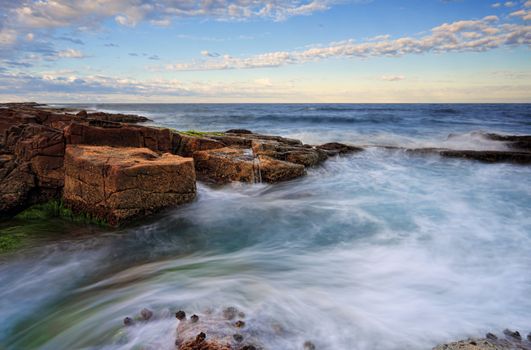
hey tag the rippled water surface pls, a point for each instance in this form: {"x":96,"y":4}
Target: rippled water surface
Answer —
{"x":377,"y":250}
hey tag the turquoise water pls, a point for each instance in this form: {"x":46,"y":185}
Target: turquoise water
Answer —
{"x":377,"y":250}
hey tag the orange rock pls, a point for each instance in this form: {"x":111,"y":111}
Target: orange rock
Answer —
{"x":117,"y":184}
{"x":227,"y":164}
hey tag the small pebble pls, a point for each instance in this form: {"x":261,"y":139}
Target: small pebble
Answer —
{"x":238,"y":337}
{"x":308,"y":345}
{"x":128,"y":321}
{"x":194,"y":318}
{"x":146,"y":314}
{"x":180,"y":315}
{"x":200,"y":337}
{"x":239,"y":324}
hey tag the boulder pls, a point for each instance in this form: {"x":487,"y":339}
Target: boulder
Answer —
{"x":227,"y":164}
{"x":335,"y":148}
{"x":299,"y":154}
{"x":118,"y":184}
{"x":274,"y":170}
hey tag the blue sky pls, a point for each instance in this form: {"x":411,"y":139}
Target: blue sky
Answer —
{"x":265,"y":51}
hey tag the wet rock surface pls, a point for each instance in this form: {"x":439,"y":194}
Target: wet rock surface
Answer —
{"x":510,"y":340}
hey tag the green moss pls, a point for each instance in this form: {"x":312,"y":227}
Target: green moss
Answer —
{"x":11,"y":238}
{"x":56,"y":209}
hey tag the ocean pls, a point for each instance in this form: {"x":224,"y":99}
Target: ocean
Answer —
{"x":377,"y":250}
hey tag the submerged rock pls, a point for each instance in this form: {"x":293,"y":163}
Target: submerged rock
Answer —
{"x":513,"y":340}
{"x":117,"y":184}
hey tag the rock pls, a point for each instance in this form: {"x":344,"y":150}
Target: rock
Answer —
{"x":180,"y":315}
{"x":299,"y":154}
{"x":187,"y":145}
{"x":239,"y":131}
{"x":115,"y":117}
{"x":194,"y":318}
{"x":239,"y":324}
{"x":529,"y":337}
{"x":334,"y":148}
{"x":273,"y":170}
{"x":519,"y":142}
{"x":490,"y":156}
{"x":218,"y":330}
{"x":472,"y":344}
{"x":491,"y":336}
{"x":121,"y":135}
{"x":118,"y":184}
{"x":512,"y":334}
{"x":82,"y":114}
{"x":128,"y":321}
{"x":227,"y":164}
{"x":146,"y":314}
{"x":308,"y":345}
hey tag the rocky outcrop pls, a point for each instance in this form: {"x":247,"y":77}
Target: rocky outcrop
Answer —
{"x":117,"y":184}
{"x":515,"y":157}
{"x":215,"y":331}
{"x":512,"y":340}
{"x":113,"y":117}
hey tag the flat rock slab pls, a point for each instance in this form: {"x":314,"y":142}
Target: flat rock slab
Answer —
{"x":117,"y":184}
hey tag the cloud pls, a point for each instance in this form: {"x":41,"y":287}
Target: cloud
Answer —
{"x":7,"y":37}
{"x":392,"y":77}
{"x":524,"y":14}
{"x":70,"y":53}
{"x":460,"y":36}
{"x":209,"y":54}
{"x":76,"y":13}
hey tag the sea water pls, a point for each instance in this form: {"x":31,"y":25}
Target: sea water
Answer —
{"x":376,"y":250}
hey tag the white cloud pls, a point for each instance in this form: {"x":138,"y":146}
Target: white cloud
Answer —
{"x":7,"y":37}
{"x":524,"y":14}
{"x":30,"y":37}
{"x":461,"y":36}
{"x":392,"y":77}
{"x":82,"y":13}
{"x":496,"y":5}
{"x":70,"y":53}
{"x":509,"y":4}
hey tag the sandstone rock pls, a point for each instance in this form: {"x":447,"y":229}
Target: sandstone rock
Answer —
{"x":273,"y":170}
{"x":473,"y":344}
{"x":120,"y":135}
{"x":186,"y":145}
{"x":227,"y":164}
{"x":303,"y":155}
{"x":117,"y":184}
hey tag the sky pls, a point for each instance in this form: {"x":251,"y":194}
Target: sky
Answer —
{"x":358,"y":51}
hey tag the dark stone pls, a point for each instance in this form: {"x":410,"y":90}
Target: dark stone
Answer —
{"x":82,"y":114}
{"x":515,"y":335}
{"x":491,"y":336}
{"x":194,"y":318}
{"x":146,"y":314}
{"x":180,"y":315}
{"x":334,"y":148}
{"x":308,"y":345}
{"x":128,"y":321}
{"x":239,"y":324}
{"x":238,"y":338}
{"x":230,"y":312}
{"x":239,"y":131}
{"x":200,"y":337}
{"x":529,"y":337}
{"x":249,"y":347}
